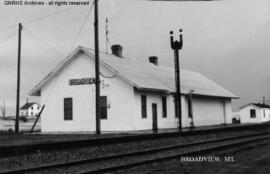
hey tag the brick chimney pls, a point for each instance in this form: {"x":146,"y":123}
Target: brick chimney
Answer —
{"x":153,"y":59}
{"x":117,"y":50}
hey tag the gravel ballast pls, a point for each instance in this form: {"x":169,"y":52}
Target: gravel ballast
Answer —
{"x":74,"y":153}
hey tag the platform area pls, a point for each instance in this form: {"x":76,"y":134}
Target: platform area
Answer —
{"x":57,"y":137}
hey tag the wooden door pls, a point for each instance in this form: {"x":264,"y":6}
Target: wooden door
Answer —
{"x":154,"y":116}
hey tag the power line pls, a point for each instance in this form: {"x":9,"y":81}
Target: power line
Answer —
{"x":38,"y":18}
{"x":8,"y":37}
{"x":82,"y":26}
{"x":43,"y":17}
{"x":57,"y":53}
{"x":74,"y":69}
{"x":7,"y":34}
{"x":31,"y":34}
{"x":9,"y":27}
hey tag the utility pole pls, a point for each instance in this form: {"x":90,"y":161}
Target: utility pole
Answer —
{"x":263,"y":99}
{"x":97,"y":81}
{"x":176,"y":46}
{"x":18,"y":80}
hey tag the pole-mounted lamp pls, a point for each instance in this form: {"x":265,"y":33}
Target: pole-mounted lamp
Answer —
{"x":177,"y":45}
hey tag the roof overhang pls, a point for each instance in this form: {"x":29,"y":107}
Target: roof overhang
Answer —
{"x":36,"y":91}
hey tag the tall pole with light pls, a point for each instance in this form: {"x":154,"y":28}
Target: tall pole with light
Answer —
{"x":176,"y":46}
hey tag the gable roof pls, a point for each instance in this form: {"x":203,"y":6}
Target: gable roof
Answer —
{"x":259,"y":105}
{"x":27,"y":105}
{"x":144,"y":76}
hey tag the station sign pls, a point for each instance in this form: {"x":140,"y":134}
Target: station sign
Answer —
{"x":82,"y":81}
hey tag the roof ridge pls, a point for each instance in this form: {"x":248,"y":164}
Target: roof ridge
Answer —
{"x":130,"y":59}
{"x":144,"y":75}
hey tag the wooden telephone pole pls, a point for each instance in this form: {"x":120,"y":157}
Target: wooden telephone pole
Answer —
{"x":97,"y":81}
{"x":18,"y":81}
{"x":176,"y":46}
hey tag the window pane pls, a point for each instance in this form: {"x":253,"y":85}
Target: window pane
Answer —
{"x":164,"y":107}
{"x":189,"y":108}
{"x":143,"y":106}
{"x":175,"y":106}
{"x":252,"y":113}
{"x":68,"y":109}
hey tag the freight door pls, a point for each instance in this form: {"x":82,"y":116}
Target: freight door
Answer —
{"x":154,"y":115}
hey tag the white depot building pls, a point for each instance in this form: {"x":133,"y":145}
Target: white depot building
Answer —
{"x":134,"y":95}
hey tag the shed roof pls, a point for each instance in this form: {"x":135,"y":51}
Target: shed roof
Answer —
{"x":259,"y":105}
{"x":144,"y":75}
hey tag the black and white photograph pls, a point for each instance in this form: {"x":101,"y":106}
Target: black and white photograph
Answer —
{"x":134,"y":86}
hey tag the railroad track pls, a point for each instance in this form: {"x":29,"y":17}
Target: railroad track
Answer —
{"x":132,"y":159}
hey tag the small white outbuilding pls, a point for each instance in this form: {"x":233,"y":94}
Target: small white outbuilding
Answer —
{"x":30,"y":109}
{"x":254,"y":113}
{"x":134,"y":95}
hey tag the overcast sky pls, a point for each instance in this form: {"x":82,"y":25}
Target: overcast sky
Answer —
{"x":228,"y":41}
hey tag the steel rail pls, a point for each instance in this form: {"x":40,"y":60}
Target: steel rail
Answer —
{"x":170,"y":157}
{"x":145,"y":152}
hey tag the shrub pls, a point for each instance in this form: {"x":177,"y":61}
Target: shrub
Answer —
{"x":10,"y":130}
{"x":7,"y":132}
